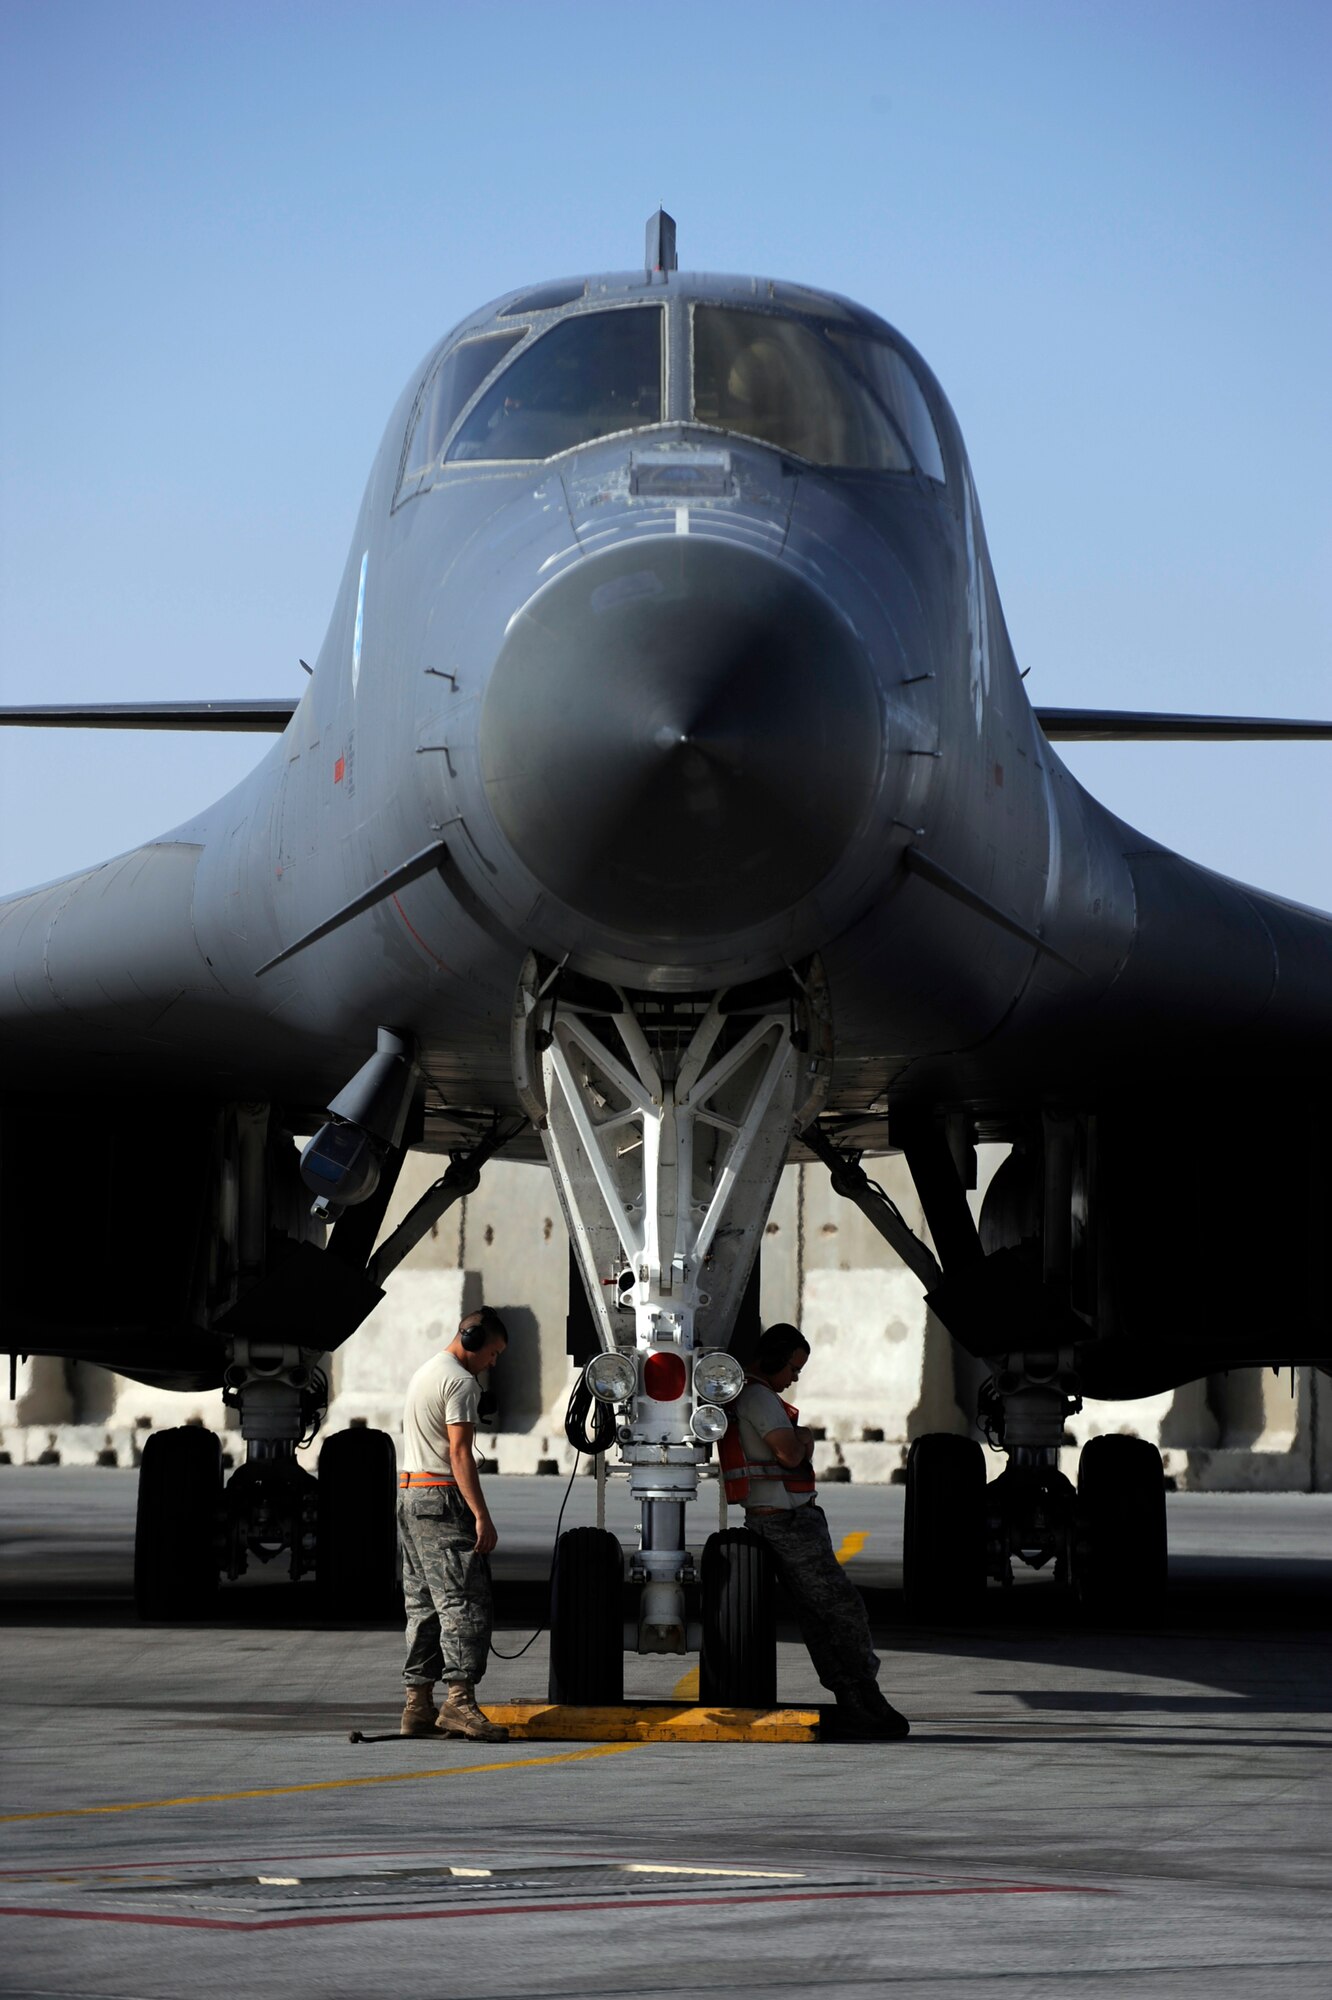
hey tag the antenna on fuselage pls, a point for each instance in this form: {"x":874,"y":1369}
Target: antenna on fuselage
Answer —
{"x":661,"y":256}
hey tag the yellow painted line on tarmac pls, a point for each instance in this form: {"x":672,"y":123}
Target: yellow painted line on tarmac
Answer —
{"x":852,"y":1544}
{"x":326,"y":1784}
{"x":686,"y":1688}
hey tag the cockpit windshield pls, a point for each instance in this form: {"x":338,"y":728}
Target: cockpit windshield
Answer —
{"x":447,"y":393}
{"x":789,"y":385}
{"x":892,"y":381}
{"x":590,"y":375}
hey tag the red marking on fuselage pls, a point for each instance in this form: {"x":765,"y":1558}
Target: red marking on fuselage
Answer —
{"x":339,"y":770}
{"x":419,"y":939}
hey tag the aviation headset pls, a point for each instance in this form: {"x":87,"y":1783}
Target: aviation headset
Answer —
{"x":488,"y":1324}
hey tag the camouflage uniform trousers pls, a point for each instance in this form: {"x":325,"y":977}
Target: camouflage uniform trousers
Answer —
{"x":830,"y":1609}
{"x":445,"y":1586}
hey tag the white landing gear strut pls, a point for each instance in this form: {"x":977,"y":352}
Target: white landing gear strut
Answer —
{"x":666,"y":1119}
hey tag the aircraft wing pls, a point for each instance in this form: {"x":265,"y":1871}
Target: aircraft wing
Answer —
{"x":271,"y":714}
{"x":268,"y":715}
{"x":1144,"y":725}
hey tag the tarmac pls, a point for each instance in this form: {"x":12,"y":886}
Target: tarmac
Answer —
{"x":1075,"y":1813}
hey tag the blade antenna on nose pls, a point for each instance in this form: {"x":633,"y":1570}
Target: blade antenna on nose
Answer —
{"x":661,"y":255}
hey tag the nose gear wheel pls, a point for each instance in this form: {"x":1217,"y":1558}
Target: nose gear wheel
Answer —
{"x":738,"y":1662}
{"x":587,"y":1619}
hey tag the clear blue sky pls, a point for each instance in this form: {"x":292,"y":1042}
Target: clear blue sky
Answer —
{"x":228,"y":233}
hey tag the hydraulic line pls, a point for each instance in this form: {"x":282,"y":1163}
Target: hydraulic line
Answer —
{"x":589,"y":1443}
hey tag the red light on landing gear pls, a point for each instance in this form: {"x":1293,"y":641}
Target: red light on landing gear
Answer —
{"x":664,"y":1377}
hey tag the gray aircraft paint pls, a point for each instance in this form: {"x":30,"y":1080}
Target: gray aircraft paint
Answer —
{"x":993,"y":938}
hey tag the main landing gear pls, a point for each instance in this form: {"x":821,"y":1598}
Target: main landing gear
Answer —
{"x":340,"y":1526}
{"x":944,"y":1534}
{"x":1119,"y":1556}
{"x":180,"y":1531}
{"x":1106,"y":1539}
{"x":191,"y":1530}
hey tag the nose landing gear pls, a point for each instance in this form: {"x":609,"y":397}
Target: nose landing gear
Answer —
{"x":666,"y":1120}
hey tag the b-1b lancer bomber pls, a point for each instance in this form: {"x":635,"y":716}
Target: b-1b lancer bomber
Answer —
{"x":665,"y":803}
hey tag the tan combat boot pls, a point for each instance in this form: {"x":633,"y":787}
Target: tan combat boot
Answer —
{"x":460,"y":1716}
{"x":418,"y":1712}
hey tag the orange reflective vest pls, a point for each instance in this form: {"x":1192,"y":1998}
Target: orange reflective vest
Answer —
{"x":737,"y":1470}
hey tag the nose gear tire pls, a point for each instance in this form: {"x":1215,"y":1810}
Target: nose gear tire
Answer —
{"x":177,"y":1525}
{"x":738,"y":1663}
{"x":587,"y":1619}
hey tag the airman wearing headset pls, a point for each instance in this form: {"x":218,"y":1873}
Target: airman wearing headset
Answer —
{"x":446,"y":1534}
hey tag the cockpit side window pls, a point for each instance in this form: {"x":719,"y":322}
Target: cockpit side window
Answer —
{"x":449,"y":391}
{"x":780,"y":381}
{"x":892,"y":381}
{"x":589,"y":376}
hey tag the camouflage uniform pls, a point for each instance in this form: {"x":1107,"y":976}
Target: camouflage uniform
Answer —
{"x":830,"y":1609}
{"x":446,"y":1588}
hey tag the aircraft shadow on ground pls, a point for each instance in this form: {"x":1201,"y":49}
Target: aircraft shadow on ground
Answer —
{"x":1223,"y":1619}
{"x":1117,"y":1702}
{"x":1261,"y":1635}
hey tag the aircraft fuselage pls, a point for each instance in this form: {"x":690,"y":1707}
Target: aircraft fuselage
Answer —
{"x":668,"y":648}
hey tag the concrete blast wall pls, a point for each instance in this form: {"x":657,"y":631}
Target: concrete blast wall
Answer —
{"x":882,"y":1370}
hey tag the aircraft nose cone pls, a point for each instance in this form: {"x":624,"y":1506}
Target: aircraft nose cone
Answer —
{"x":680,"y":738}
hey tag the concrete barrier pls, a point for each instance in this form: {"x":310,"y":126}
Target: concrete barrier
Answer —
{"x":882,"y":1370}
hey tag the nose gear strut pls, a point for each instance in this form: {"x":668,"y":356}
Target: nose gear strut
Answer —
{"x":666,"y":1120}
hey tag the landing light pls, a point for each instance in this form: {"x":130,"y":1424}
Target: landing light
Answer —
{"x":612,"y":1378}
{"x":664,"y":1376}
{"x":708,"y":1422}
{"x":718,"y":1378}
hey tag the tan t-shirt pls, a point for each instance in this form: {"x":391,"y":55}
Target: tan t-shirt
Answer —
{"x":759,"y":1410}
{"x":441,"y":1392}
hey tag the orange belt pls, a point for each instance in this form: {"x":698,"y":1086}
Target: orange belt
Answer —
{"x":426,"y":1479}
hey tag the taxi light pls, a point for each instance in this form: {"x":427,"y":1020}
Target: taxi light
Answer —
{"x":611,"y":1377}
{"x":708,"y":1423}
{"x":718,"y":1377}
{"x":664,"y":1376}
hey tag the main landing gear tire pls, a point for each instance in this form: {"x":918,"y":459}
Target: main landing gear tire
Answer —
{"x":738,"y":1663}
{"x":943,"y":1543}
{"x":357,"y":1569}
{"x":587,"y":1620}
{"x":178,"y":1522}
{"x":1120,"y":1547}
